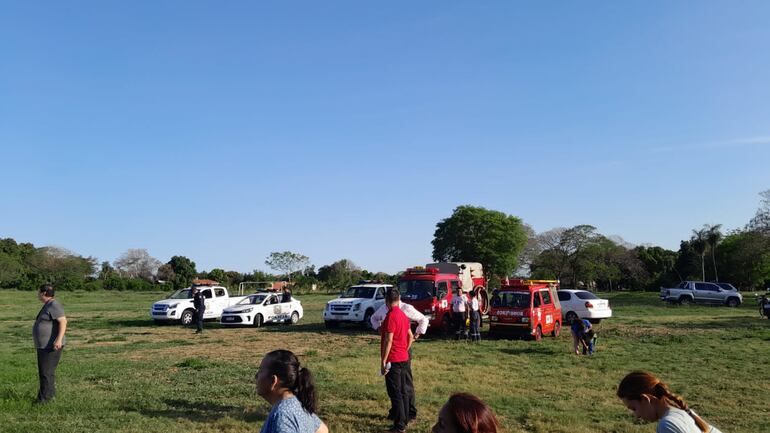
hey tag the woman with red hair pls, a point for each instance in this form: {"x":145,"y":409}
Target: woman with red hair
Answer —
{"x":465,"y":413}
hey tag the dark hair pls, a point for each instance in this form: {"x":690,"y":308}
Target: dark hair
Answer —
{"x":48,"y":290}
{"x":471,"y":414}
{"x":285,"y":365}
{"x":393,"y":295}
{"x":637,"y":383}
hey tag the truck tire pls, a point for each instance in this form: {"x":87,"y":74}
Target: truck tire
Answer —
{"x":367,"y":323}
{"x":556,"y":329}
{"x":294,"y":318}
{"x":483,"y":296}
{"x":331,"y":324}
{"x":733,"y":302}
{"x":685,"y":300}
{"x":258,"y":320}
{"x":538,"y":335}
{"x":187,"y":317}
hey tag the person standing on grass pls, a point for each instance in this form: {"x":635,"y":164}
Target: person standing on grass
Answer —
{"x":459,"y":314}
{"x":651,"y":400}
{"x":396,"y":339}
{"x":414,"y":316}
{"x":465,"y":413}
{"x":475,"y":314}
{"x":290,"y":389}
{"x":48,"y":333}
{"x":199,"y":302}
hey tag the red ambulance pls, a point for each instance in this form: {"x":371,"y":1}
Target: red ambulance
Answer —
{"x":529,"y":307}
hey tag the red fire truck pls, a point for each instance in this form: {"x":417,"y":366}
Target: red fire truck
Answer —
{"x":529,"y":307}
{"x":430,"y":289}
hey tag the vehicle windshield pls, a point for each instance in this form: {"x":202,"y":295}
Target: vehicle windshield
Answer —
{"x":252,"y":299}
{"x":511,"y":300}
{"x":181,"y":294}
{"x":585,"y":295}
{"x":415,"y":290}
{"x":358,"y":292}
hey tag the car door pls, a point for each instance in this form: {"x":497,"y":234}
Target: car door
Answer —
{"x":706,"y":293}
{"x":220,"y":300}
{"x":548,"y":311}
{"x":379,"y":298}
{"x":209,"y":303}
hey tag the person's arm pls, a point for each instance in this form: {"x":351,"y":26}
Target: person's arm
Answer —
{"x":385,"y":351}
{"x":322,"y":428}
{"x":575,"y":343}
{"x":411,"y":339}
{"x":57,"y":344}
{"x":419,"y":318}
{"x":378,"y":317}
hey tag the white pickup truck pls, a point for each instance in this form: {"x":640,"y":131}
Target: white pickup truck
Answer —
{"x":357,"y":304}
{"x":179,"y":306}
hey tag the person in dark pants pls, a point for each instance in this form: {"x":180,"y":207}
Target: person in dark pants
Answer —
{"x":396,"y":340}
{"x":48,"y":333}
{"x":199,"y":302}
{"x":459,"y":314}
{"x":422,"y":322}
{"x":475,"y":313}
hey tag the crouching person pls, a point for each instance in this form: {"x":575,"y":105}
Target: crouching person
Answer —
{"x":290,"y":389}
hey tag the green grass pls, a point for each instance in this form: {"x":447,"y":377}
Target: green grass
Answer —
{"x":122,"y":373}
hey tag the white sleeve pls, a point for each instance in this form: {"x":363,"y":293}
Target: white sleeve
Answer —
{"x":416,"y":316}
{"x":378,"y":317}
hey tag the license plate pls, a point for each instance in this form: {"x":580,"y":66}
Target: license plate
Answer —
{"x":229,"y":319}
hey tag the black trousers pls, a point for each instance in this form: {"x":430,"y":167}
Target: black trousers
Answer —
{"x":409,"y":384}
{"x":395,"y":382}
{"x":459,"y":322}
{"x":47,"y":360}
{"x":199,"y":319}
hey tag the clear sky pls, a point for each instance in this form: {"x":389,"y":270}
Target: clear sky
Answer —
{"x":223,"y":131}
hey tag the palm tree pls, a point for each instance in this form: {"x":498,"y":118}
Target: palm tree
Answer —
{"x":713,"y":237}
{"x":699,"y":244}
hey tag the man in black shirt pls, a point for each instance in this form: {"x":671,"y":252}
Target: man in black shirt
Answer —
{"x":199,"y":302}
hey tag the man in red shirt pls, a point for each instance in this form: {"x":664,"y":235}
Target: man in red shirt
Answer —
{"x":396,"y":338}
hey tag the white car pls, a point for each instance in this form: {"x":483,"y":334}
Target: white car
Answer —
{"x":261,"y":308}
{"x":583,"y":304}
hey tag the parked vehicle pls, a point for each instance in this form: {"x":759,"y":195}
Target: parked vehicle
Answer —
{"x":179,"y":306}
{"x":356,"y":305}
{"x":584,"y":305}
{"x":528,"y":307}
{"x":430,"y":289}
{"x":698,"y":292}
{"x":261,"y":308}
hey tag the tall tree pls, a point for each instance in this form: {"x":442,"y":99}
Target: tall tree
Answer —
{"x":700,"y":245}
{"x":137,"y":263}
{"x":713,"y":237}
{"x":476,"y":234}
{"x":183,"y":270}
{"x":287,"y":262}
{"x":761,"y":220}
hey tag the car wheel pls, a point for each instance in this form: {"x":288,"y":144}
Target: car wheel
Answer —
{"x":571,"y":316}
{"x":556,"y":329}
{"x":187,"y":317}
{"x":538,"y":335}
{"x":367,"y":323}
{"x":685,"y":300}
{"x":294,"y":318}
{"x":258,"y":320}
{"x":331,"y":324}
{"x":733,"y":302}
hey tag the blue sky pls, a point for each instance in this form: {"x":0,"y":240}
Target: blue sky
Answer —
{"x":223,"y":131}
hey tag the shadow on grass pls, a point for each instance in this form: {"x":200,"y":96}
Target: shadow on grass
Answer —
{"x":533,"y":349}
{"x":723,"y":323}
{"x":200,"y":411}
{"x":318,"y":328}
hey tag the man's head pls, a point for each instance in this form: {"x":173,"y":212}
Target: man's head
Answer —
{"x":194,"y":290}
{"x":392,"y":297}
{"x":45,"y":292}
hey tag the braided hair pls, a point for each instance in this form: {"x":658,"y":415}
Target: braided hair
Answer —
{"x":637,"y":383}
{"x":297,"y":379}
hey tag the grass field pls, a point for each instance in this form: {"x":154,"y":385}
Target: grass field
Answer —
{"x":122,"y":373}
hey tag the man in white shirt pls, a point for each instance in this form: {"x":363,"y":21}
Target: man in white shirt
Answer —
{"x":459,"y":313}
{"x":422,"y":327}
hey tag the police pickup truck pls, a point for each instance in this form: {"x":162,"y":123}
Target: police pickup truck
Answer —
{"x":179,"y":306}
{"x":698,"y":292}
{"x":357,"y":304}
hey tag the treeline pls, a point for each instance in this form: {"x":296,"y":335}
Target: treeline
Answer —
{"x":24,"y":266}
{"x":578,"y":256}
